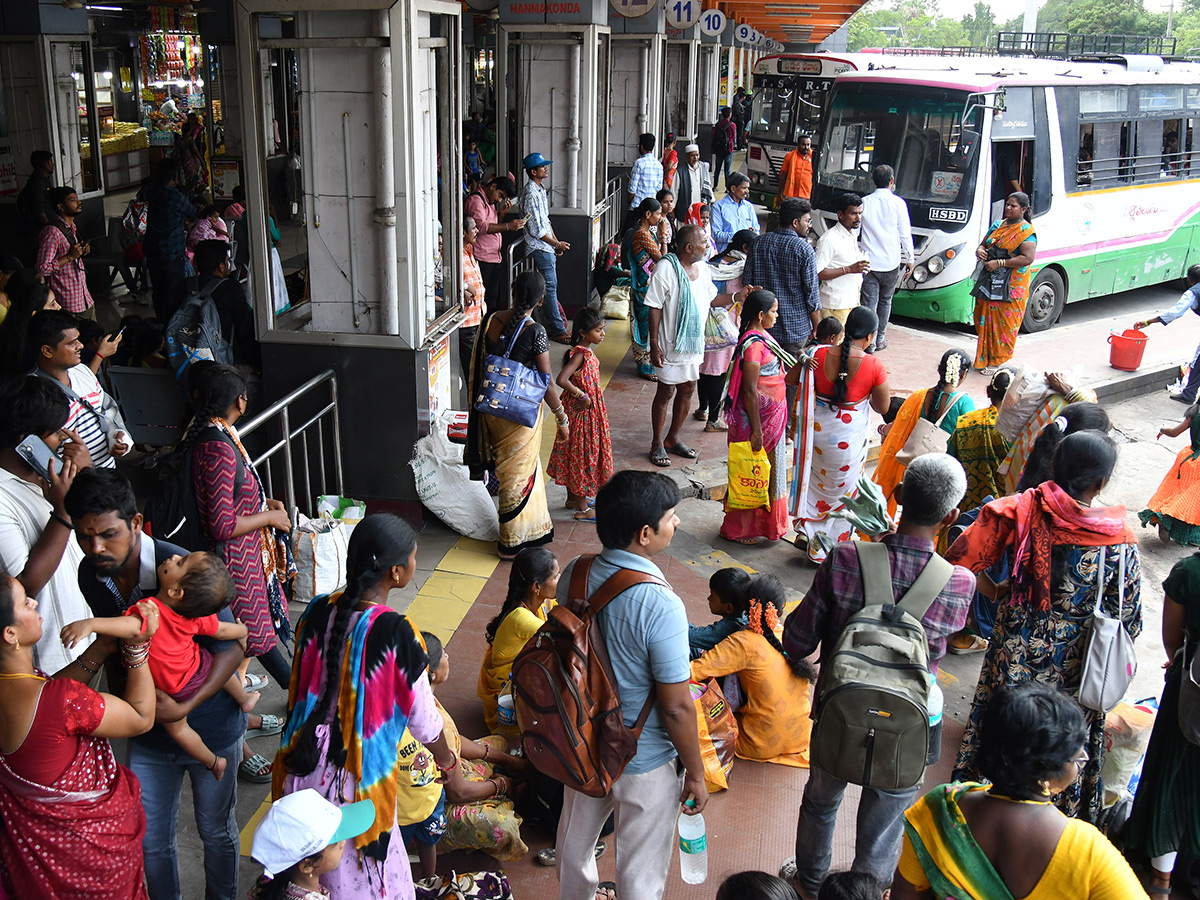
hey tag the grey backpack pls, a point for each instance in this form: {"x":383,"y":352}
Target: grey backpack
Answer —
{"x":871,"y":713}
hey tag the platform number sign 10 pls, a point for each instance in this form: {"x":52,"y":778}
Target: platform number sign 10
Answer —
{"x":683,"y":14}
{"x":712,"y":22}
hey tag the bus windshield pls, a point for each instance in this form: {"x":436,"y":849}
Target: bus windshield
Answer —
{"x":919,"y":132}
{"x":774,"y":113}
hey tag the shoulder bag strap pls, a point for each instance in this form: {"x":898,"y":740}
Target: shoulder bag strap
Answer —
{"x":949,"y":406}
{"x":876,"y":568}
{"x":513,"y":340}
{"x":1120,"y":583}
{"x":615,"y":584}
{"x":929,"y":584}
{"x":71,"y":395}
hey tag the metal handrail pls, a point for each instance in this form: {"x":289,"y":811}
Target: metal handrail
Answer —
{"x":610,"y":211}
{"x":281,"y":410}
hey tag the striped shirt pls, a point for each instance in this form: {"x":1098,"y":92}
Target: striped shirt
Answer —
{"x":24,"y":514}
{"x":472,"y":312}
{"x":84,"y":421}
{"x":536,"y":207}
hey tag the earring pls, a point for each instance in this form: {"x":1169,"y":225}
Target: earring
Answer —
{"x":1045,"y":786}
{"x":18,"y":640}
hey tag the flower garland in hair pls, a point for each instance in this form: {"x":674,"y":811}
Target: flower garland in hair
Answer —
{"x":771,"y":617}
{"x":953,"y":370}
{"x":756,"y":616}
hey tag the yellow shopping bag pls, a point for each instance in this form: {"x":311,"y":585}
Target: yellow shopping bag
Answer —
{"x":749,"y":476}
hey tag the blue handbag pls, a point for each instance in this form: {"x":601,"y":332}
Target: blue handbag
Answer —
{"x":509,"y":389}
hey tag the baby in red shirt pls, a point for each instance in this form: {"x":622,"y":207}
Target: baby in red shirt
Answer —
{"x":193,"y":589}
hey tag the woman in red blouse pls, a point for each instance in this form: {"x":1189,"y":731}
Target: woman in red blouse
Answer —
{"x":72,"y":817}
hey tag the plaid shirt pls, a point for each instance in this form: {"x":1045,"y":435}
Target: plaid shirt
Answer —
{"x":536,"y":206}
{"x":68,"y":280}
{"x":472,"y":314}
{"x":645,"y":178}
{"x":784,"y":263}
{"x":837,"y":594}
{"x":167,"y":211}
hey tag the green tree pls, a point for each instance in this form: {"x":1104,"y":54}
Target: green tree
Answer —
{"x":979,"y":26}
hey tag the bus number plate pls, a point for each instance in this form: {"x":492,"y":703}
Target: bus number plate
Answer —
{"x":944,"y":214}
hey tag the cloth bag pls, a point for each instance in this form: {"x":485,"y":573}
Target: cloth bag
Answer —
{"x":344,"y":509}
{"x":718,"y":732}
{"x":445,"y":487}
{"x":615,"y":304}
{"x":720,"y":331}
{"x":749,"y":477}
{"x":464,"y":886}
{"x":1024,"y":397}
{"x":509,"y":389}
{"x":320,"y":557}
{"x":926,"y":436}
{"x":1110,"y":662}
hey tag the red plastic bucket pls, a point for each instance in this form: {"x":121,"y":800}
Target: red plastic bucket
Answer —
{"x":1126,"y":349}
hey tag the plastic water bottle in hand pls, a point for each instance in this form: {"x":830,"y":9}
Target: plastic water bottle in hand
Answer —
{"x":693,"y":848}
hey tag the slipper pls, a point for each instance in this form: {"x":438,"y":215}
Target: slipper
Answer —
{"x":659,"y":457}
{"x":715,"y":426}
{"x":682,"y":449}
{"x":270,"y":725}
{"x":256,"y":770}
{"x":746,"y":542}
{"x":571,"y":504}
{"x":547,"y":857}
{"x":255,"y":682}
{"x":585,"y":515}
{"x":976,"y":644}
{"x":700,"y":415}
{"x":609,"y":889}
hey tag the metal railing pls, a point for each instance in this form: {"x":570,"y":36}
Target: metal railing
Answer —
{"x":611,"y":211}
{"x":1061,"y":45}
{"x":281,"y":452}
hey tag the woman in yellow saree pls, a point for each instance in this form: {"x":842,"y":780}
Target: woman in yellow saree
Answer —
{"x":997,"y":321}
{"x":941,"y":404}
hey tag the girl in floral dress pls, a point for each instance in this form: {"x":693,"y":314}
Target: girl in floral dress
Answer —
{"x":582,"y":461}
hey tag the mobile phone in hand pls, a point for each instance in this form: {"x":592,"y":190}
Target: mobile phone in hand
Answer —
{"x":38,"y":455}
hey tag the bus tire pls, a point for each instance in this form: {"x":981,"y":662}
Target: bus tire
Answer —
{"x":1047,"y":295}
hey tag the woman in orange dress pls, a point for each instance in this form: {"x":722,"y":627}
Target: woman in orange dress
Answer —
{"x":1175,"y":506}
{"x":997,"y":321}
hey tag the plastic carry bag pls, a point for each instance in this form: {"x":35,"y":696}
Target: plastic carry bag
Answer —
{"x":718,"y":732}
{"x":446,"y":489}
{"x":615,"y":304}
{"x":1024,"y":398}
{"x":320,"y":551}
{"x":344,"y":509}
{"x":749,"y":476}
{"x":720,"y":331}
{"x":1126,"y":736}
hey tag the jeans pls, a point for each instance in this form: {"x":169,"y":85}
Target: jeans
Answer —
{"x":1193,"y":382}
{"x":161,"y":774}
{"x":876,"y":295}
{"x":721,"y":163}
{"x":545,"y":262}
{"x":877,"y":839}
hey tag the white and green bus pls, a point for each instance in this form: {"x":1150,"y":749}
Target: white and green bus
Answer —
{"x":1103,"y":148}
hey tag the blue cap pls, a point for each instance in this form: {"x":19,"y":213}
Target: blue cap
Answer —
{"x":533,"y":160}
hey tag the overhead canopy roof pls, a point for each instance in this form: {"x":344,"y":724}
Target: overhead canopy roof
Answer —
{"x":792,"y":21}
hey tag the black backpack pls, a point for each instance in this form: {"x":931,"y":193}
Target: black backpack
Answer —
{"x":721,"y":142}
{"x":171,"y":512}
{"x":194,"y":332}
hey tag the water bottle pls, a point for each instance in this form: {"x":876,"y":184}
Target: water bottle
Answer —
{"x":936,"y":701}
{"x":693,"y":848}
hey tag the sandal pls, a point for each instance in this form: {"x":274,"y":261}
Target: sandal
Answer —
{"x":256,"y":770}
{"x":270,"y":725}
{"x":255,"y":682}
{"x":547,"y":857}
{"x":585,"y":515}
{"x":681,"y":449}
{"x":700,"y":415}
{"x":715,"y":426}
{"x":606,"y":890}
{"x":964,"y":643}
{"x":659,"y":457}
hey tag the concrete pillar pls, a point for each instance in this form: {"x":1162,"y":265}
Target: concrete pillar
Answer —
{"x":682,"y":79}
{"x":636,"y":89}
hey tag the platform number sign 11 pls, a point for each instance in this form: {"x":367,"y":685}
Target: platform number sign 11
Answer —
{"x":683,"y":14}
{"x":712,"y":22}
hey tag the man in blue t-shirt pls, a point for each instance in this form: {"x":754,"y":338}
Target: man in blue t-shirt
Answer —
{"x":1189,"y":299}
{"x":120,"y":567}
{"x":645,"y":631}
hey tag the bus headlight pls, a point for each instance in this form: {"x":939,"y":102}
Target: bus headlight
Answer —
{"x":936,"y":265}
{"x":920,"y":274}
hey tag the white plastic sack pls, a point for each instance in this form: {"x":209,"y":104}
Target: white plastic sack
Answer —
{"x":446,"y":489}
{"x":1024,"y":398}
{"x":320,"y":548}
{"x":616,"y":303}
{"x":1126,"y":736}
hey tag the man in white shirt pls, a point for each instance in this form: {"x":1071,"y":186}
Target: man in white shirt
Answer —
{"x":646,"y":176}
{"x":840,"y":262}
{"x":94,"y":415}
{"x":886,"y":236}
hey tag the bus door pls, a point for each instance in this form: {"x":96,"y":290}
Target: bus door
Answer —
{"x":1013,"y":136}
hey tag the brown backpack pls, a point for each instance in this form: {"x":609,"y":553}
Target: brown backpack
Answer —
{"x":566,"y":695}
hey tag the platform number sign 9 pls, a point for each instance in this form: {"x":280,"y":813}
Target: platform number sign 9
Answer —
{"x":744,"y":33}
{"x":712,"y":22}
{"x":683,"y":14}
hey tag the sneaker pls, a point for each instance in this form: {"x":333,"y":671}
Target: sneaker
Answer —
{"x":880,"y":344}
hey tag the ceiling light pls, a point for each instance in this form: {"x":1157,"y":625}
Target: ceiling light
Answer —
{"x":107,"y":8}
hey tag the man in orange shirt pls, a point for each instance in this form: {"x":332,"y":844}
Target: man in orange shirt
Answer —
{"x":795,"y":172}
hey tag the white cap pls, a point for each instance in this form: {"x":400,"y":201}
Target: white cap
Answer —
{"x":691,"y":148}
{"x":303,"y":824}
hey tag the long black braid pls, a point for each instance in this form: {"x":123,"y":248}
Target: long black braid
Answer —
{"x":768,"y":590}
{"x":379,"y":542}
{"x":860,"y":324}
{"x":531,"y":566}
{"x":943,"y":386}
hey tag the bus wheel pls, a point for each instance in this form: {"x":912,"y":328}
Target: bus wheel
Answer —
{"x":1047,"y":295}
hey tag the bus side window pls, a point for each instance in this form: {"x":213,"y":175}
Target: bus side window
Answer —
{"x":1172,"y":153}
{"x":1087,"y":153}
{"x":1190,"y":166}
